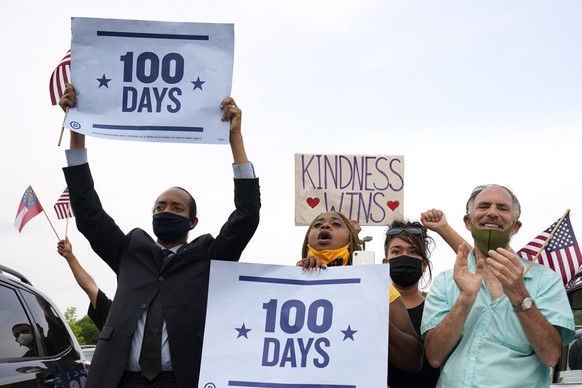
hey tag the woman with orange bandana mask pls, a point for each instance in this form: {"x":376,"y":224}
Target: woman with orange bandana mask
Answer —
{"x":330,"y":241}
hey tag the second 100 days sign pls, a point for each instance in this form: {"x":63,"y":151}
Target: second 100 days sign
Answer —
{"x":277,"y":326}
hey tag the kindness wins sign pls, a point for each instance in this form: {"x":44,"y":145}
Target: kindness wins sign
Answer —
{"x":366,"y":188}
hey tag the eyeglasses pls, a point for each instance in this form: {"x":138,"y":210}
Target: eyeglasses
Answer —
{"x":410,"y":229}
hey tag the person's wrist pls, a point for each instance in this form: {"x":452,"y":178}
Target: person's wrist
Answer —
{"x":466,"y":299}
{"x":524,"y":305}
{"x":442,"y":229}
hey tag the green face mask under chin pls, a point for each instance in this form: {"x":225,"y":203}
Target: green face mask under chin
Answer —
{"x":487,"y":239}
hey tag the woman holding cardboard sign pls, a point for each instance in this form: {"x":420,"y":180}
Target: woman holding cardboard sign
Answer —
{"x":331,"y":240}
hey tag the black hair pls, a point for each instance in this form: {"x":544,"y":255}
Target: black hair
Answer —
{"x":423,"y":243}
{"x":192,"y":203}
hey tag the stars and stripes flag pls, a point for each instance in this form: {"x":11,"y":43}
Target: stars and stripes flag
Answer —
{"x":63,"y":206}
{"x":28,"y":208}
{"x":59,"y":78}
{"x":561,"y":253}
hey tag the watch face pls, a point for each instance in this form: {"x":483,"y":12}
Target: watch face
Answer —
{"x":526,"y":304}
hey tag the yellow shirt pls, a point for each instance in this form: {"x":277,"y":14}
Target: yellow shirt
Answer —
{"x":394,"y":294}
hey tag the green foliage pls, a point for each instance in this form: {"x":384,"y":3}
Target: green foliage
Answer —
{"x":84,"y":328}
{"x":78,"y":333}
{"x":71,"y":315}
{"x":89,"y":331}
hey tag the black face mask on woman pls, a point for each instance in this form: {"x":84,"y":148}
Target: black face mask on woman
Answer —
{"x":170,"y":227}
{"x":405,"y":270}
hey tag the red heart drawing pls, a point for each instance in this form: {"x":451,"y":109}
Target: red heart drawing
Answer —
{"x":312,"y":202}
{"x":393,"y":205}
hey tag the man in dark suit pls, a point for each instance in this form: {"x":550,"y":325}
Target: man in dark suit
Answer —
{"x":147,"y":277}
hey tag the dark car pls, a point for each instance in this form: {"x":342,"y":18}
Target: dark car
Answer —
{"x":568,"y":371}
{"x":37,"y":346}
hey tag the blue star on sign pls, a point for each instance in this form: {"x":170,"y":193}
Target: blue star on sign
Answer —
{"x":103,"y":81}
{"x":349,"y":333}
{"x":198,"y":83}
{"x":242,"y":331}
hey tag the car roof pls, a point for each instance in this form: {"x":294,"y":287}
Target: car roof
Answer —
{"x":575,"y":283}
{"x":14,"y":274}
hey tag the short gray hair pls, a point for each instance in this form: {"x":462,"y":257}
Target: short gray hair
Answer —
{"x":477,"y":190}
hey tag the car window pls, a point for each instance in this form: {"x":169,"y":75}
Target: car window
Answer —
{"x":17,"y":338}
{"x":52,"y":331}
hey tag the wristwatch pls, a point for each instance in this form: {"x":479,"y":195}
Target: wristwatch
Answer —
{"x":525,"y":305}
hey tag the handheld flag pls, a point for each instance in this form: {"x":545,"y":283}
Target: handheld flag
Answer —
{"x":28,"y":208}
{"x":63,"y":206}
{"x":559,"y":249}
{"x":59,"y":78}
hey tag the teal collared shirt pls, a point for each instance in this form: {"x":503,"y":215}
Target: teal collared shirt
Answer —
{"x":493,"y":350}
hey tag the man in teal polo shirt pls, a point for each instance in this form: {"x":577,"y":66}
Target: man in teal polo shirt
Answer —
{"x":485,"y":323}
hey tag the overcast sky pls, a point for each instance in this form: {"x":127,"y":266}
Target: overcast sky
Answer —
{"x":469,"y":92}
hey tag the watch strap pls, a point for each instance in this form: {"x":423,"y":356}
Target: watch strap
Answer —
{"x":526,"y":304}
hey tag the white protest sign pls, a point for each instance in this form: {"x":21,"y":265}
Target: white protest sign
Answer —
{"x":366,"y":188}
{"x":277,"y":326}
{"x":151,"y":81}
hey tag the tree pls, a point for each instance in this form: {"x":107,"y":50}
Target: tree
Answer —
{"x":84,"y":328}
{"x":71,"y":315}
{"x":89,"y":331}
{"x":71,"y":318}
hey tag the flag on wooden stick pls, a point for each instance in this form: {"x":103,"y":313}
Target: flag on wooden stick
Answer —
{"x":557,"y":248}
{"x":28,"y":208}
{"x":63,"y":206}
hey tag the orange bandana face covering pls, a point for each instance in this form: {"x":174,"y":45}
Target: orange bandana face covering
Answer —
{"x":331,"y":257}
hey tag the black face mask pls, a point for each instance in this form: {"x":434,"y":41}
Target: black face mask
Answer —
{"x":405,"y":270}
{"x":170,"y":227}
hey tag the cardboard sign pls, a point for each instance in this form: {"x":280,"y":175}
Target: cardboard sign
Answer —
{"x":366,"y":188}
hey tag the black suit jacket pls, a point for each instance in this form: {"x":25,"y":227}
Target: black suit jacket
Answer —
{"x":183,"y":283}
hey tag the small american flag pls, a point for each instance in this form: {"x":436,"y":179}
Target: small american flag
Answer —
{"x":562,"y":254}
{"x":59,"y":78}
{"x":63,"y":206}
